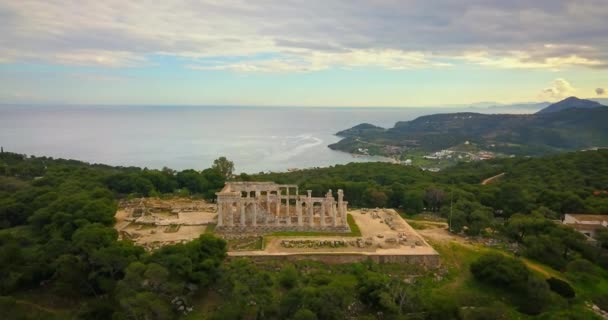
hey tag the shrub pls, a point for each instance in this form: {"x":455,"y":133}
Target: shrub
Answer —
{"x":537,"y":296}
{"x":561,"y":287}
{"x":582,"y":266}
{"x":499,"y":270}
{"x":288,"y":278}
{"x":304,"y":314}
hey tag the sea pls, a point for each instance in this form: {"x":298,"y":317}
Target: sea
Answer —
{"x":256,"y":139}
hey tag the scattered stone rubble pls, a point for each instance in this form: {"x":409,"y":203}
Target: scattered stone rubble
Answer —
{"x":314,"y":244}
{"x":161,"y":212}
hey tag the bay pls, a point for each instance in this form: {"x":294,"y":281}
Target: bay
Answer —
{"x":190,"y":137}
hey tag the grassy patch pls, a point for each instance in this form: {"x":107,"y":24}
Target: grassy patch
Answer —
{"x":246,"y":244}
{"x":460,"y":286}
{"x":418,"y":225}
{"x":354,"y":231}
{"x":354,"y":228}
{"x":428,"y":217}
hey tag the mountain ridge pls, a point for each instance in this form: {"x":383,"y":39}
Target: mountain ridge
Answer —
{"x":571,"y":103}
{"x":519,"y":134}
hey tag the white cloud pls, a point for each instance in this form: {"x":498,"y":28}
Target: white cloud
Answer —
{"x":316,"y":61}
{"x":524,"y":60}
{"x":559,"y":89}
{"x":310,"y":35}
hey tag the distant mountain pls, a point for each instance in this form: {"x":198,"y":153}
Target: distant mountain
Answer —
{"x":522,"y":134}
{"x":525,"y":106}
{"x":603,"y":101}
{"x":361,"y":129}
{"x":571,"y":103}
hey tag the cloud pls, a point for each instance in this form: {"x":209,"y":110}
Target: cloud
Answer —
{"x":560,"y":88}
{"x":313,"y":35}
{"x":317,"y":61}
{"x":548,"y":56}
{"x":600,"y":91}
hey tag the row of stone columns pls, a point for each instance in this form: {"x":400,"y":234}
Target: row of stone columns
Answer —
{"x":328,"y":207}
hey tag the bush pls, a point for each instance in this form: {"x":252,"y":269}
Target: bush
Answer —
{"x":304,"y":314}
{"x":442,"y":308}
{"x":582,"y":266}
{"x":499,"y":270}
{"x":537,"y":296}
{"x":561,"y":287}
{"x":288,"y":278}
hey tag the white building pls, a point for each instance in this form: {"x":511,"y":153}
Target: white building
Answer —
{"x":586,"y":224}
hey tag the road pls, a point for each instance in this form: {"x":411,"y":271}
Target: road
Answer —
{"x":490,"y":179}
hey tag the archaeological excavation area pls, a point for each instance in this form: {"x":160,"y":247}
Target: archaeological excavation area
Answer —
{"x":264,"y":220}
{"x":154,"y":222}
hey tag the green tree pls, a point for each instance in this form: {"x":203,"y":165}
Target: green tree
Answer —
{"x":146,"y":292}
{"x":376,"y":198}
{"x":224,"y":166}
{"x":500,"y":270}
{"x":537,"y":296}
{"x":304,"y":314}
{"x":288,"y":277}
{"x":601,"y":235}
{"x":519,"y":226}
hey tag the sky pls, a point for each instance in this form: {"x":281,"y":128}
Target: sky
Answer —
{"x":302,"y":53}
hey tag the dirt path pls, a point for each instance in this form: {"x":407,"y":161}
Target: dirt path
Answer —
{"x":438,"y":232}
{"x":491,"y":179}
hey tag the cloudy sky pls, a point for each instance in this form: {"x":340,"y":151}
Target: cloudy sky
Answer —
{"x":317,"y":53}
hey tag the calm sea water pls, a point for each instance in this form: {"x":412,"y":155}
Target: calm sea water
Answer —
{"x":255,"y":138}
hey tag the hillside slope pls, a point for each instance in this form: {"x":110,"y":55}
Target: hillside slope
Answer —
{"x":531,"y":134}
{"x":571,"y":103}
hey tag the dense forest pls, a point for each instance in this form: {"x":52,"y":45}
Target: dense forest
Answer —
{"x":60,"y":257}
{"x":531,"y":192}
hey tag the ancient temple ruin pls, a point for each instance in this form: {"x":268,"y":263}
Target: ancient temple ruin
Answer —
{"x":267,"y":206}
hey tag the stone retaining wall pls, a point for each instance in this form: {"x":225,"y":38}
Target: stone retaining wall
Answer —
{"x":280,"y":228}
{"x":429,"y":261}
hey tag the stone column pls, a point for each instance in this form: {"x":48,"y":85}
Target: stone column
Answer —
{"x":340,"y":203}
{"x":299,"y":211}
{"x":333,"y":213}
{"x":278,"y":202}
{"x":311,"y":220}
{"x":220,"y":209}
{"x":268,"y":208}
{"x":256,"y":203}
{"x":231,"y":216}
{"x":287,"y":208}
{"x":278,"y":211}
{"x":323,"y":205}
{"x":345,"y":220}
{"x":254,"y":219}
{"x":243,"y":206}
